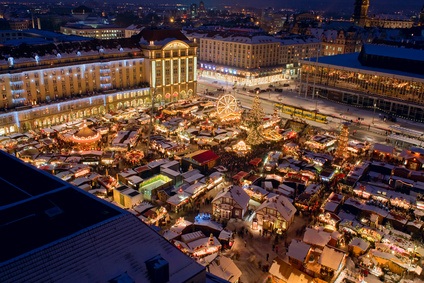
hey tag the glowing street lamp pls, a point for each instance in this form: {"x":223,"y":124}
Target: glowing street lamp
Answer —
{"x":373,"y":116}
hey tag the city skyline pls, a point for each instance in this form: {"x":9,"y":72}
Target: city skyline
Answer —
{"x":379,"y":6}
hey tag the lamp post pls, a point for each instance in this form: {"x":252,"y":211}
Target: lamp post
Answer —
{"x":315,"y":73}
{"x":373,"y":116}
{"x":152,"y":98}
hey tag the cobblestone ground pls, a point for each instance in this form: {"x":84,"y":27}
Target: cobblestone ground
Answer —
{"x":250,"y":248}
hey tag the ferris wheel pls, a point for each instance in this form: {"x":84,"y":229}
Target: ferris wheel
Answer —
{"x":226,"y":106}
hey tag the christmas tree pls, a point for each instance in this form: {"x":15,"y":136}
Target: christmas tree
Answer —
{"x":254,"y":122}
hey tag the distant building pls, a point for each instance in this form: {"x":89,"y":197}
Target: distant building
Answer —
{"x":35,"y":37}
{"x":81,"y":13}
{"x":132,"y":30}
{"x":20,"y":24}
{"x":193,"y":10}
{"x":389,"y":21}
{"x":361,"y":18}
{"x":360,"y":12}
{"x":421,"y":17}
{"x":202,"y":9}
{"x":97,"y":31}
{"x":339,"y":39}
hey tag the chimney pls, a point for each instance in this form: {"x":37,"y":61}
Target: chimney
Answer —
{"x":158,"y":269}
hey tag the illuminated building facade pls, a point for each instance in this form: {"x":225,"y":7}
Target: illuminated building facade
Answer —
{"x":243,"y":58}
{"x":294,"y":48}
{"x":360,"y":12}
{"x":170,"y":62}
{"x":390,"y":21}
{"x":98,"y":32}
{"x":94,"y":80}
{"x":19,"y":24}
{"x":276,"y":214}
{"x":388,"y":79}
{"x":360,"y":18}
{"x":339,"y":40}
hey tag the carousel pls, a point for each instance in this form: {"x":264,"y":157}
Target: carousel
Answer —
{"x":85,"y":137}
{"x":240,"y":148}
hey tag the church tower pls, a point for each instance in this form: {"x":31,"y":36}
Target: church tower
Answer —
{"x":421,"y":18}
{"x":360,"y":12}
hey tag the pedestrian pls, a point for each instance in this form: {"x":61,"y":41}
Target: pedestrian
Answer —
{"x":276,"y":249}
{"x":245,"y":243}
{"x":267,"y":257}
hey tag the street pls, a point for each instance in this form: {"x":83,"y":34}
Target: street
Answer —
{"x":371,"y":128}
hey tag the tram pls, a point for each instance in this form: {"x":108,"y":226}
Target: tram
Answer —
{"x":302,"y":113}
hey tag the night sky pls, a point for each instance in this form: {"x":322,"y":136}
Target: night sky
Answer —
{"x":379,"y":6}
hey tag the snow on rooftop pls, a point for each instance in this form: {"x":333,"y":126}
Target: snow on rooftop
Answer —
{"x":316,"y":237}
{"x":331,"y":258}
{"x":298,"y":250}
{"x":351,"y":61}
{"x":394,"y":52}
{"x":360,"y":243}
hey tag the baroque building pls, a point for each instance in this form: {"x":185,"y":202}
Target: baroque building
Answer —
{"x":44,"y":85}
{"x":360,"y":12}
{"x":361,"y":18}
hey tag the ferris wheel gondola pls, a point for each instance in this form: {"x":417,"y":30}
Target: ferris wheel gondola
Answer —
{"x":227,"y":106}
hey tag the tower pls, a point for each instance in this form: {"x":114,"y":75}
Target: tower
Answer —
{"x":360,"y":12}
{"x":202,"y":7}
{"x":193,"y":10}
{"x":343,"y":140}
{"x":202,"y":10}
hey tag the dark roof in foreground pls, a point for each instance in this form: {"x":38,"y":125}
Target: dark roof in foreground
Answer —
{"x":51,"y":231}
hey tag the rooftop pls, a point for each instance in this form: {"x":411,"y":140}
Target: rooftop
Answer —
{"x":159,"y":36}
{"x":53,"y":231}
{"x":15,"y":189}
